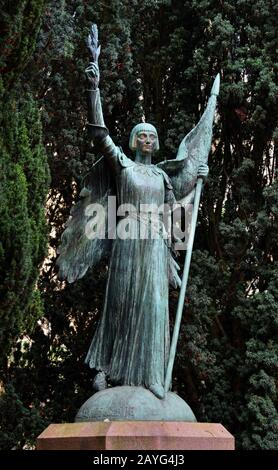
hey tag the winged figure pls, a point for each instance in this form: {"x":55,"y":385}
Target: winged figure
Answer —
{"x":131,"y":343}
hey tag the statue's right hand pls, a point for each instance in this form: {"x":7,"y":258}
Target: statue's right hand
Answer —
{"x":92,"y":72}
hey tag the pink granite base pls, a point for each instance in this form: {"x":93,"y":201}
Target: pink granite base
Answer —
{"x":135,"y":435}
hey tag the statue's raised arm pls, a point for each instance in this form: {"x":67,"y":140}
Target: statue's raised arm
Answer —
{"x":80,"y":248}
{"x":98,"y":132}
{"x":94,"y":48}
{"x":96,"y":125}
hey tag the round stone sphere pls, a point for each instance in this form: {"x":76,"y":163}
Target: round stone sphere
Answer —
{"x":128,"y":403}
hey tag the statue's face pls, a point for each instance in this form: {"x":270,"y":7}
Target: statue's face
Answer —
{"x":146,"y":142}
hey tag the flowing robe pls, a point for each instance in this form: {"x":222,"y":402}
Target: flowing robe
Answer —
{"x":131,"y":343}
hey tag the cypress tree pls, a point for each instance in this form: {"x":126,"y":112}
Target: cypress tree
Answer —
{"x":24,"y":179}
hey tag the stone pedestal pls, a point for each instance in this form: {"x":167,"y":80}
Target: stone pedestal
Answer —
{"x":135,"y":435}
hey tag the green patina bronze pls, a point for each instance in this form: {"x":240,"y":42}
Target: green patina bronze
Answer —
{"x":132,"y":343}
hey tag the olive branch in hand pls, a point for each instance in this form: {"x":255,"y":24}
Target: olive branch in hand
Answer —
{"x":92,"y":43}
{"x":92,"y":71}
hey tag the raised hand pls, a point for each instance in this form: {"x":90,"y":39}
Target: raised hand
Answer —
{"x":92,"y":72}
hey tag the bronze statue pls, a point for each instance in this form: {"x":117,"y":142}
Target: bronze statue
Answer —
{"x":131,"y":344}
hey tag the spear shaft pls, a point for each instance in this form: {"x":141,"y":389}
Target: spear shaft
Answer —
{"x":187,"y":262}
{"x":203,"y":131}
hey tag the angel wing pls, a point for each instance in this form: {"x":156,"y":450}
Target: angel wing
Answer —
{"x":193,"y":150}
{"x":77,"y":251}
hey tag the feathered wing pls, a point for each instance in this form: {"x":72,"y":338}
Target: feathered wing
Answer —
{"x":193,"y":150}
{"x":79,"y":249}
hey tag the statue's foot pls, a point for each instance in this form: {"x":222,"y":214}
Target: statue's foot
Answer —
{"x":100,"y":382}
{"x":157,"y":390}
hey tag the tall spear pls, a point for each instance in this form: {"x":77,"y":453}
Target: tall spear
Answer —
{"x":203,"y":132}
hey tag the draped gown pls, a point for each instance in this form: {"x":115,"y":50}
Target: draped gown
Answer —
{"x":131,"y":343}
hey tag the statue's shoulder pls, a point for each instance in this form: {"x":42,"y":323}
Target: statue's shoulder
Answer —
{"x":167,"y":180}
{"x":123,"y":160}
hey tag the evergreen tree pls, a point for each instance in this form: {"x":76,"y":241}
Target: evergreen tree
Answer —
{"x":24,"y":178}
{"x":230,"y":330}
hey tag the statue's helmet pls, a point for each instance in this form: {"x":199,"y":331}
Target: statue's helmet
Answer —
{"x":143,"y":126}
